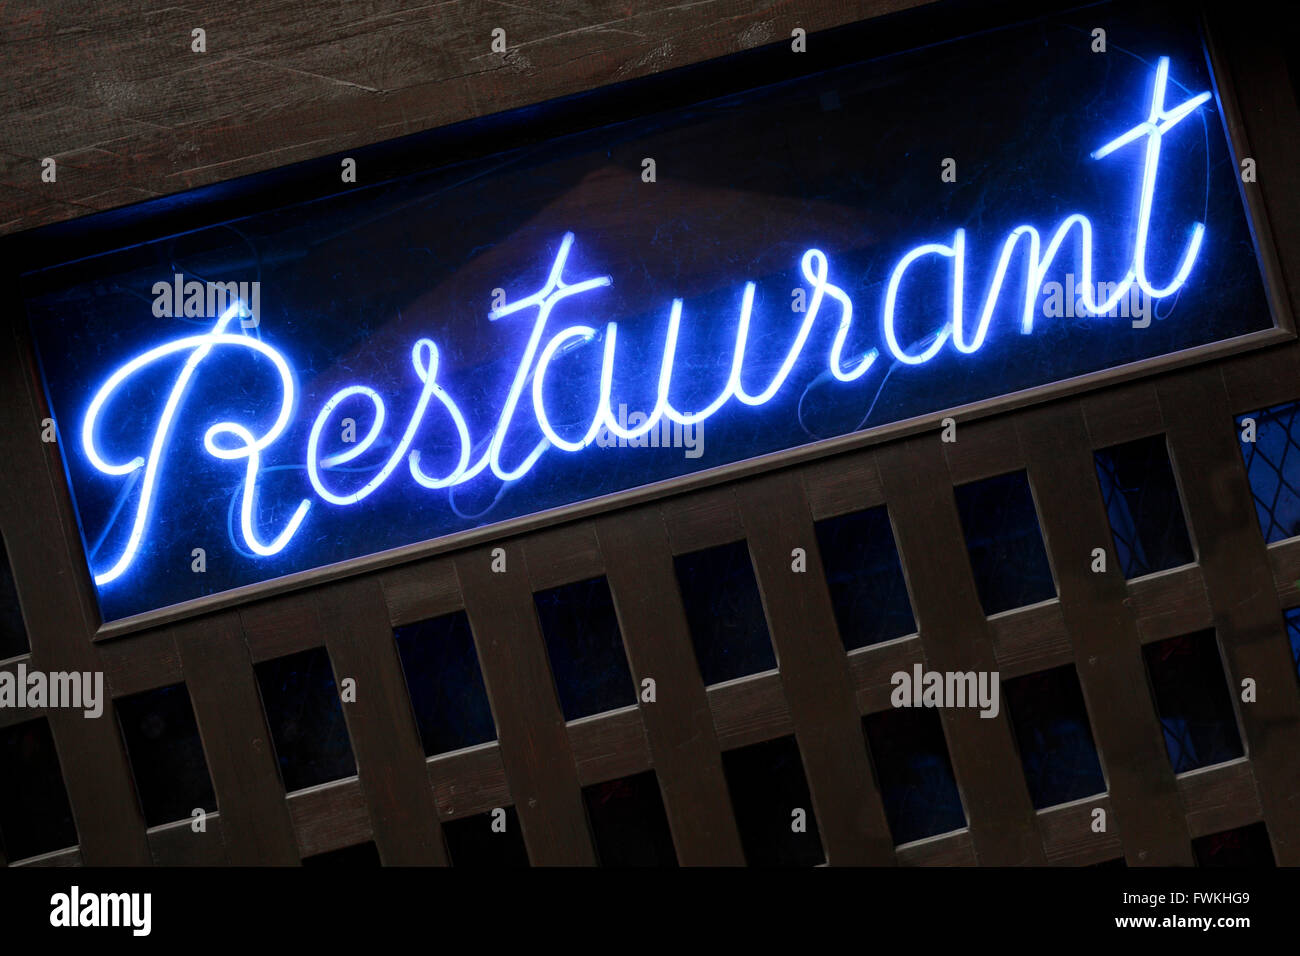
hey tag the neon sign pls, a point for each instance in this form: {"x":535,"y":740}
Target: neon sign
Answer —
{"x":271,"y":444}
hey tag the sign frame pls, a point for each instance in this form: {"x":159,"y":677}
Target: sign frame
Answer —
{"x":199,"y":208}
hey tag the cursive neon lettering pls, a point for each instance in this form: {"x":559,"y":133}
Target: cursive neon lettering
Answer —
{"x":474,"y":457}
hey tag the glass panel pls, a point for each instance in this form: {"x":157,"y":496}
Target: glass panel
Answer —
{"x":1142,"y":503}
{"x":1004,"y":542}
{"x":486,"y":840}
{"x":1273,"y":467}
{"x":628,"y":822}
{"x":916,"y":779}
{"x":1192,"y":699}
{"x":1292,"y":618}
{"x":445,"y":683}
{"x":13,"y":633}
{"x":1246,"y":846}
{"x":725,"y":613}
{"x":306,"y":719}
{"x":35,"y":816}
{"x":767,"y":786}
{"x":585,"y":648}
{"x":162,"y":741}
{"x":865,"y":578}
{"x":1056,"y":746}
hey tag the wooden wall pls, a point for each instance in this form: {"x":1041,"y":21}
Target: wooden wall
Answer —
{"x":128,"y":112}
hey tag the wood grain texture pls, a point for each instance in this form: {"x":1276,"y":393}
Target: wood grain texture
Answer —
{"x":871,"y":669}
{"x":45,"y":555}
{"x":1203,"y":444}
{"x":390,"y":758}
{"x":1170,"y":603}
{"x":1031,"y":639}
{"x":469,"y":781}
{"x":702,"y":520}
{"x":842,"y":485}
{"x":9,"y":716}
{"x":237,"y":742}
{"x":983,"y":449}
{"x":1284,"y":558}
{"x":609,"y":746}
{"x":750,"y":710}
{"x":1219,"y":798}
{"x":330,"y":817}
{"x":1123,"y":414}
{"x":117,"y":97}
{"x":141,"y":665}
{"x":1104,"y":634}
{"x":176,"y":844}
{"x":1068,"y":837}
{"x":678,"y":724}
{"x":284,"y":625}
{"x":815,"y":675}
{"x":950,"y":849}
{"x":420,"y":591}
{"x":535,"y":748}
{"x":957,"y":638}
{"x":563,"y":555}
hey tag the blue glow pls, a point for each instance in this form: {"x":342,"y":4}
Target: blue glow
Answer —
{"x":665,"y":373}
{"x":891,"y":299}
{"x":232,"y":441}
{"x":578,"y":333}
{"x":424,"y":357}
{"x":201,"y":346}
{"x":1159,"y":122}
{"x":814,"y":267}
{"x":544,"y":299}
